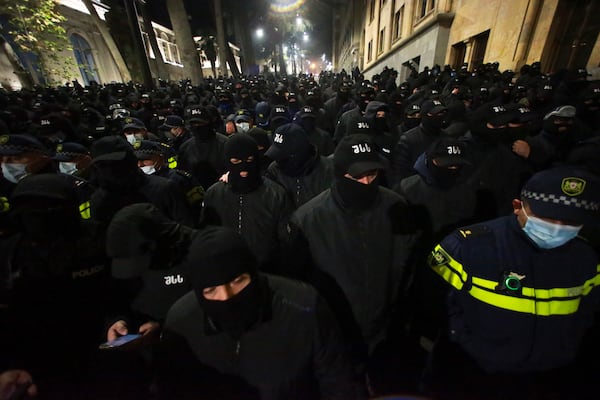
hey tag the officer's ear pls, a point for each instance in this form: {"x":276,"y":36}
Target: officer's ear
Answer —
{"x":517,"y":206}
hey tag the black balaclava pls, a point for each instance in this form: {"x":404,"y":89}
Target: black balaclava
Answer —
{"x":242,"y":146}
{"x":298,"y":154}
{"x":203,"y":132}
{"x":559,"y":126}
{"x":217,"y":256}
{"x":444,"y":177}
{"x":309,"y":124}
{"x":353,"y":194}
{"x":365,"y":96}
{"x":410,"y":123}
{"x":356,"y":195}
{"x":434,"y":123}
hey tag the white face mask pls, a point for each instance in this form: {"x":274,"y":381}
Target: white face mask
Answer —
{"x":243,"y":126}
{"x":133,"y":139}
{"x":67,"y":167}
{"x":14,"y":172}
{"x":148,"y":169}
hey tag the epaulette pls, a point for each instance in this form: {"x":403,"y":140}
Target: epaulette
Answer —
{"x":470,"y":232}
{"x":183,"y":173}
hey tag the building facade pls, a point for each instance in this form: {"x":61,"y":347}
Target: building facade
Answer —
{"x":92,"y":58}
{"x":399,"y":33}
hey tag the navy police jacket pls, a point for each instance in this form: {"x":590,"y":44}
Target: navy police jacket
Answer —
{"x":516,"y":307}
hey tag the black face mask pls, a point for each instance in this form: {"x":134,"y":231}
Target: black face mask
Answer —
{"x":202,"y":133}
{"x":555,"y":129}
{"x":294,"y":165}
{"x":492,"y":135}
{"x":246,"y":184}
{"x":445,"y":177}
{"x":356,"y":195}
{"x":380,"y":125}
{"x":516,"y":133}
{"x":343,"y":97}
{"x":410,"y":123}
{"x":433,"y":124}
{"x":239,"y":313}
{"x":363,"y":101}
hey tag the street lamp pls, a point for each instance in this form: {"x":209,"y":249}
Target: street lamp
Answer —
{"x":305,"y":37}
{"x":260,"y":33}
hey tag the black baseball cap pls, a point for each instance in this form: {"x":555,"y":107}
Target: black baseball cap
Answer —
{"x":111,"y":148}
{"x":197,"y":114}
{"x":355,"y":155}
{"x":432,"y":107}
{"x":288,"y":139}
{"x":447,"y":152}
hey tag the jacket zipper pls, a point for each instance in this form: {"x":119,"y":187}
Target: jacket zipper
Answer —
{"x":240,"y":215}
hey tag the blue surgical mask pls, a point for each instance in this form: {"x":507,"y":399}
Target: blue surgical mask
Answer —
{"x":548,"y":235}
{"x":14,"y":172}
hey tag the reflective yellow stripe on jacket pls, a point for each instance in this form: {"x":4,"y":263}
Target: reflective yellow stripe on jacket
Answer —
{"x":542,"y":302}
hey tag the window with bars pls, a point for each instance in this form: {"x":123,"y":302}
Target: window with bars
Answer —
{"x":370,"y":50}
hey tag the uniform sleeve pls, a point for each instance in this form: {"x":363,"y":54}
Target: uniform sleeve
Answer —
{"x":445,"y":262}
{"x":332,"y":365}
{"x":176,"y":206}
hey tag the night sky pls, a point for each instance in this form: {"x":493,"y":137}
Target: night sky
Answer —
{"x":318,"y":12}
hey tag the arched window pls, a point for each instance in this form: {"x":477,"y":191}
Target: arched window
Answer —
{"x":85,"y":59}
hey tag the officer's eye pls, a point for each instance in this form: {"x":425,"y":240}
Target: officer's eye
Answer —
{"x":240,"y":279}
{"x":209,"y":290}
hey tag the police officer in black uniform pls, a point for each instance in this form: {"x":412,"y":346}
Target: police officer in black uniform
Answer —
{"x":521,"y":295}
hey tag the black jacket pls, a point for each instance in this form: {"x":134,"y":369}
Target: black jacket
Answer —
{"x":292,"y":352}
{"x":260,"y":217}
{"x":303,"y":188}
{"x":366,"y":253}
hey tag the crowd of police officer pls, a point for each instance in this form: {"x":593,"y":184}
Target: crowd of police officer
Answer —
{"x":105,"y":187}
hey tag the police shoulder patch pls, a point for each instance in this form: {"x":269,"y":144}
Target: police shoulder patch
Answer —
{"x":4,"y":139}
{"x":438,"y":257}
{"x":473,"y":231}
